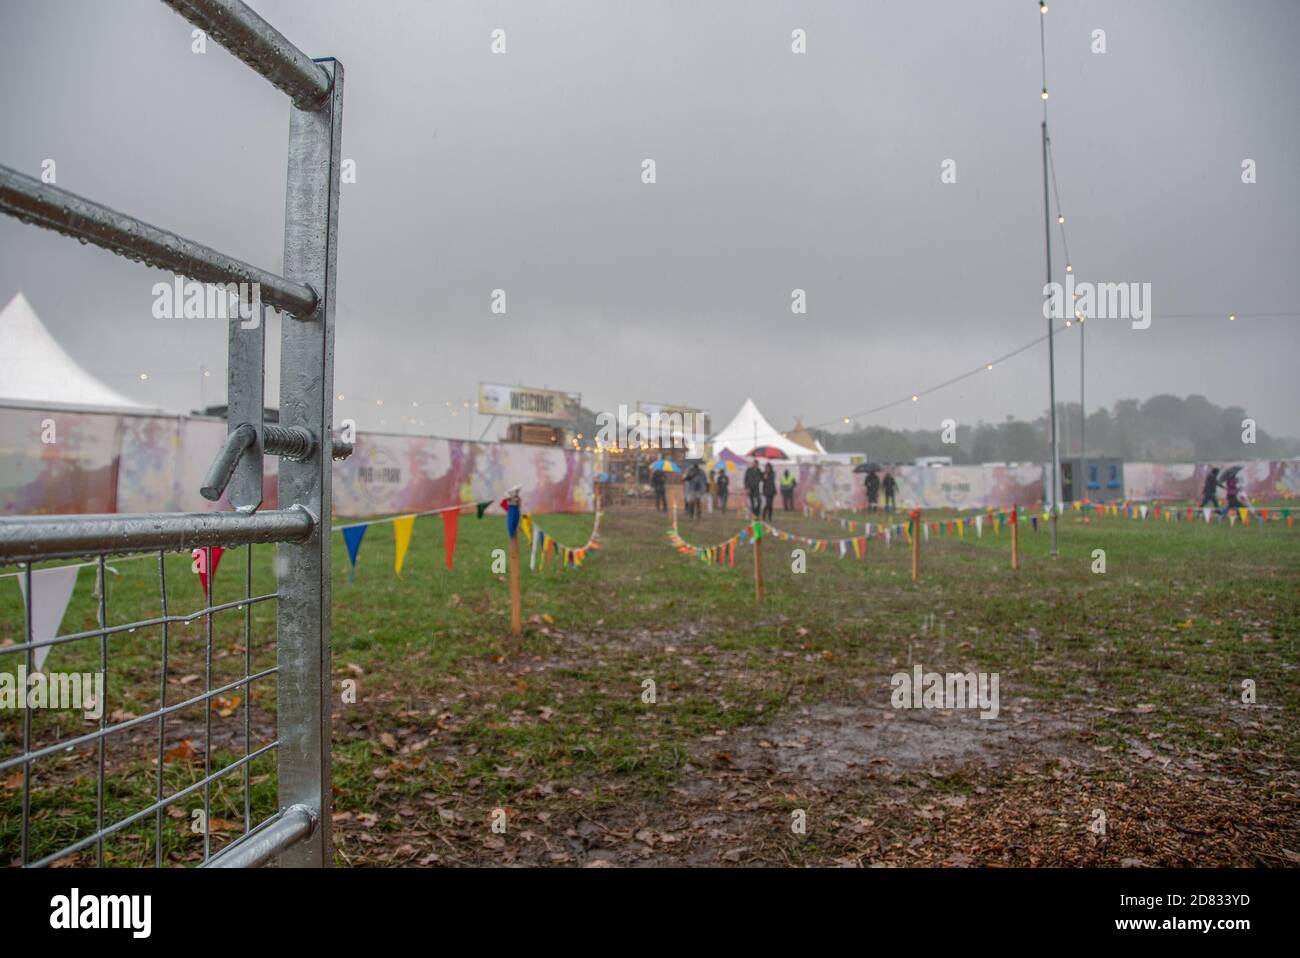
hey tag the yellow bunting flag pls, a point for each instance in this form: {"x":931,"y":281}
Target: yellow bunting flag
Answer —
{"x":401,"y":540}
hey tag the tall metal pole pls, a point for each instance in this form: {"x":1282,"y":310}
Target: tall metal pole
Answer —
{"x":1083,"y":419}
{"x":1051,"y":352}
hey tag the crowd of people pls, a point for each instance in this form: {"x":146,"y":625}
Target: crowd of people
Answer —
{"x":700,"y":486}
{"x":761,"y":485}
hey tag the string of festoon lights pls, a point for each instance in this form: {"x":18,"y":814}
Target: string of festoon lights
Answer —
{"x":408,"y":412}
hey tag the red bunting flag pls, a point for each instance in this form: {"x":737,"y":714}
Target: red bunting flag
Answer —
{"x":450,"y":523}
{"x":204,"y":560}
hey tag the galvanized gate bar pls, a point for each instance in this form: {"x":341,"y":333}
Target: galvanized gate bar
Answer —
{"x":307,"y":400}
{"x":241,"y":31}
{"x":245,"y":407}
{"x":300,"y":833}
{"x":42,"y":204}
{"x":265,"y":842}
{"x":51,"y":537}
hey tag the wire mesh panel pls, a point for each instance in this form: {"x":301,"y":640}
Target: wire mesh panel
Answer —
{"x":95,"y":759}
{"x":192,"y":725}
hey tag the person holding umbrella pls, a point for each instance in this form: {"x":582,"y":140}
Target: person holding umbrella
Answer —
{"x":753,"y":481}
{"x":696,"y":487}
{"x":1232,"y":486}
{"x":657,"y":484}
{"x":1210,"y":492}
{"x":873,"y":490}
{"x":769,"y":490}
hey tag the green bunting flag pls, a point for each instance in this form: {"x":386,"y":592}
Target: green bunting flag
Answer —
{"x":482,"y":507}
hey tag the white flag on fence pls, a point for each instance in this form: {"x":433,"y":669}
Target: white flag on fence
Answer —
{"x":1206,"y":510}
{"x":1143,"y":510}
{"x":979,"y":527}
{"x":51,"y":593}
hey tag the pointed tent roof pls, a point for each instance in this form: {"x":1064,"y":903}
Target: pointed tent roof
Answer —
{"x":749,"y":429}
{"x":35,"y":369}
{"x":803,"y":437}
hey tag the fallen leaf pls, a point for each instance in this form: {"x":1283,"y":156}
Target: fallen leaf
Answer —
{"x":184,"y":752}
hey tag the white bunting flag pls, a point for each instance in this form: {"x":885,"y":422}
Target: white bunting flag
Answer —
{"x":1207,"y":510}
{"x":51,"y":593}
{"x":1143,"y":511}
{"x":979,"y":527}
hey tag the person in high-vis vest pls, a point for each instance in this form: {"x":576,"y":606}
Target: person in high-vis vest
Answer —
{"x":788,"y":483}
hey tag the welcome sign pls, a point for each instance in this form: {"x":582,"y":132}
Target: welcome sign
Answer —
{"x":495,"y":399}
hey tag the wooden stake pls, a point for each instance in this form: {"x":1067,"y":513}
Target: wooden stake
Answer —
{"x":916,"y":544}
{"x":758,"y":571}
{"x":1015,"y":541}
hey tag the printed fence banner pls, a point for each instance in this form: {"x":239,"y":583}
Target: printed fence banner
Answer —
{"x":1261,"y":479}
{"x":391,"y":474}
{"x":831,"y":486}
{"x":55,"y":461}
{"x":125,"y":462}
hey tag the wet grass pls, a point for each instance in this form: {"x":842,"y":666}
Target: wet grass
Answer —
{"x":449,"y":711}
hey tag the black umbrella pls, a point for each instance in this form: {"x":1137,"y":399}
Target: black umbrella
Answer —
{"x":1229,"y":473}
{"x":867,"y":467}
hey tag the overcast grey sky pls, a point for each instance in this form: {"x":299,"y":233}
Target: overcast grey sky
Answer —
{"x":776,"y":171}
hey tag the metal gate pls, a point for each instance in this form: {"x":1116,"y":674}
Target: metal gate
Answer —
{"x":299,"y":833}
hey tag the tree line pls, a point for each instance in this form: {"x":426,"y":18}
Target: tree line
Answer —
{"x":1160,"y":429}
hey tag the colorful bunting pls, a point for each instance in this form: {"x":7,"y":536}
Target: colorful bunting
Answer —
{"x":401,"y":540}
{"x":205,"y":558}
{"x":51,"y":592}
{"x":352,"y":536}
{"x":450,"y":526}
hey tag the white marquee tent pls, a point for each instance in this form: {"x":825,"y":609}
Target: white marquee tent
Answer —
{"x":750,"y":429}
{"x":35,"y":370}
